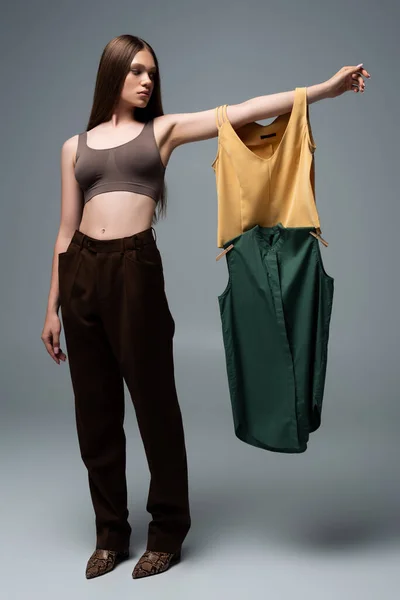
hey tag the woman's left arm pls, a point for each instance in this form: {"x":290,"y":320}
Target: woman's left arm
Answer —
{"x":192,"y":127}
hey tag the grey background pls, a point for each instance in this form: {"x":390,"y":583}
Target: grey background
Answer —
{"x":324,"y":524}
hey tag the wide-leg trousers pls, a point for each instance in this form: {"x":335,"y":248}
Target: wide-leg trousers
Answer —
{"x":118,"y":326}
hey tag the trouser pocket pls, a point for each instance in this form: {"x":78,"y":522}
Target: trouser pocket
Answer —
{"x":68,"y":264}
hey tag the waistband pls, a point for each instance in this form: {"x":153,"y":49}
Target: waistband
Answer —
{"x":131,"y":242}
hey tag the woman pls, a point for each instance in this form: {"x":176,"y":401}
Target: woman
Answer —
{"x":107,"y":276}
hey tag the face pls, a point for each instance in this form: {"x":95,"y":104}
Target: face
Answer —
{"x":139,"y":79}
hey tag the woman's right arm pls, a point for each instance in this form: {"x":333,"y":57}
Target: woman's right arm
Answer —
{"x":71,"y":214}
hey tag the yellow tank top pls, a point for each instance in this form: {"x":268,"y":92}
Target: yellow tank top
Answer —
{"x":265,"y":174}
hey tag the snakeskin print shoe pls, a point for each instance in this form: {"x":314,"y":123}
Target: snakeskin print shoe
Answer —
{"x":103,"y":561}
{"x":152,"y":563}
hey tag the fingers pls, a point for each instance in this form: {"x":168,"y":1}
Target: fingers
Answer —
{"x":359,"y":85}
{"x":49,"y":348}
{"x":56,"y":347}
{"x":53,"y":348}
{"x":62,"y":356}
{"x":56,"y":343}
{"x":361,"y":70}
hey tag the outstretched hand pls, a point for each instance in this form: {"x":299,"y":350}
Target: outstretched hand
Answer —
{"x":346,"y":80}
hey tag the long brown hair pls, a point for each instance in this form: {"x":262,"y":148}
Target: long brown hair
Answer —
{"x":113,"y":67}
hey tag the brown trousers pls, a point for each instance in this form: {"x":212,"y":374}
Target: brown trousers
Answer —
{"x":118,"y":326}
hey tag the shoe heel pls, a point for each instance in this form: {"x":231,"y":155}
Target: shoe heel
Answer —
{"x":177,"y":556}
{"x":123,"y":555}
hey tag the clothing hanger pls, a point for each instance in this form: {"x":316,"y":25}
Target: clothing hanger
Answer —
{"x":224,"y":252}
{"x":318,"y":236}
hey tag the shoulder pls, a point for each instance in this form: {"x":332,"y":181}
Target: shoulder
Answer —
{"x":69,"y":148}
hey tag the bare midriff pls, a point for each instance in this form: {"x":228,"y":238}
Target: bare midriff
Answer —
{"x":117,"y":214}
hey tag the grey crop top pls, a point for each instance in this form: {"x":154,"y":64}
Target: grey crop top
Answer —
{"x":135,"y":166}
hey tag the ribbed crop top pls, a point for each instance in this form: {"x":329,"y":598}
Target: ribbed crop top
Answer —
{"x":134,"y":166}
{"x":266,"y":174}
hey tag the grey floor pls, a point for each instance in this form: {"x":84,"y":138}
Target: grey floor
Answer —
{"x":322,"y":525}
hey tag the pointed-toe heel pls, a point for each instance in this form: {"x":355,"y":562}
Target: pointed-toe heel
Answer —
{"x":103,"y":561}
{"x":152,"y":563}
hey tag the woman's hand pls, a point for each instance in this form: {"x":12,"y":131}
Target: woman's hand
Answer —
{"x":346,"y":80}
{"x":51,"y":337}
